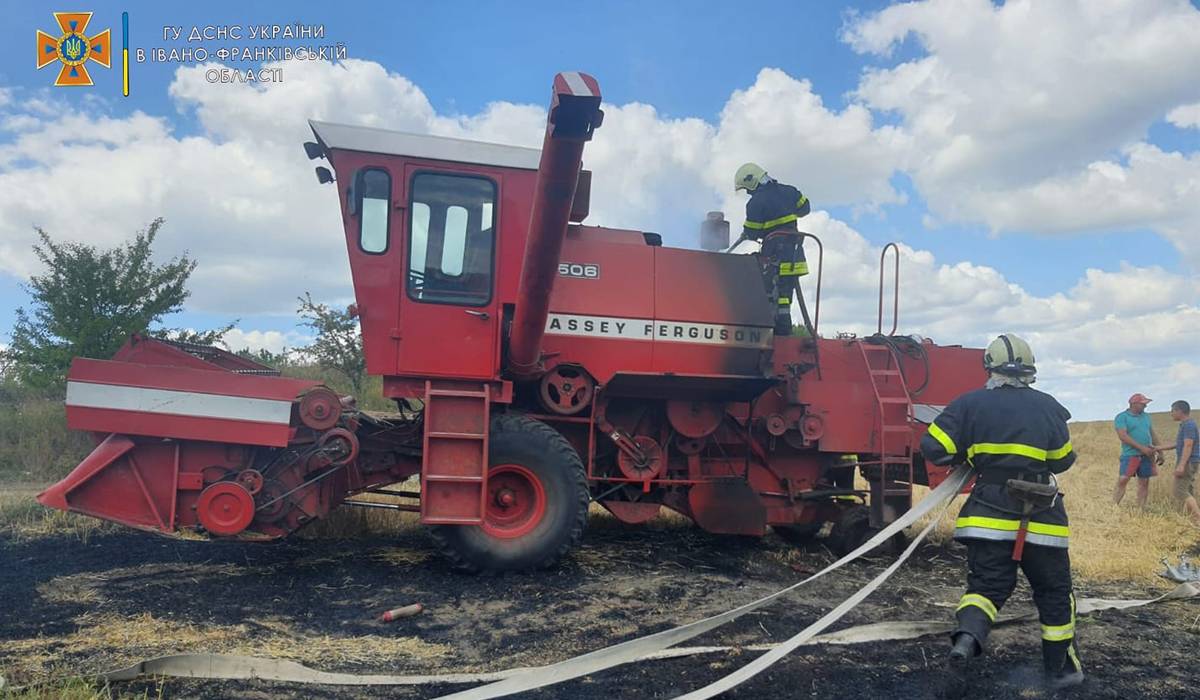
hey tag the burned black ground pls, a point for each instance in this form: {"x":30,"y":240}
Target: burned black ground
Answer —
{"x":624,"y":581}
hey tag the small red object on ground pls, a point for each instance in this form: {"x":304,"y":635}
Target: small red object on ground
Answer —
{"x":397,"y":613}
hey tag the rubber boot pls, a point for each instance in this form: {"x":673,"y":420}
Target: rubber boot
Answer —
{"x":783,"y":323}
{"x":963,"y":649}
{"x":1061,"y":660}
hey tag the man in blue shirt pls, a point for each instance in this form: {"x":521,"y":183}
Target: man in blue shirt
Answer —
{"x":1187,"y":458}
{"x":1137,"y":449}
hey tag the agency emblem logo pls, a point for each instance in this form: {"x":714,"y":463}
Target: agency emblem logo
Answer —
{"x":73,"y":49}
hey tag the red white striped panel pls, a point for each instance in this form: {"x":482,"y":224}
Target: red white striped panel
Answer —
{"x":177,"y":403}
{"x":577,"y":84}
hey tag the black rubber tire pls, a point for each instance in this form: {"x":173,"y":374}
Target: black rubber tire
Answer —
{"x":517,"y":439}
{"x":854,"y":528}
{"x":798,"y":535}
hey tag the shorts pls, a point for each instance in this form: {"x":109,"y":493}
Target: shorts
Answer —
{"x":1185,"y":485}
{"x":1144,"y":466}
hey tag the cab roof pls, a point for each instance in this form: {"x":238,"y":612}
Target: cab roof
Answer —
{"x":399,"y":143}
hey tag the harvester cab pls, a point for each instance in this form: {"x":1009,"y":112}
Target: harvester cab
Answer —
{"x":539,"y":364}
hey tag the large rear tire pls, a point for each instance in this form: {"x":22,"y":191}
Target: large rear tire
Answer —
{"x":537,"y":501}
{"x":798,"y":535}
{"x":853,"y":529}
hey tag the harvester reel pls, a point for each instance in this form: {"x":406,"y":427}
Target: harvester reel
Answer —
{"x":320,"y":408}
{"x":225,"y":508}
{"x":567,"y":390}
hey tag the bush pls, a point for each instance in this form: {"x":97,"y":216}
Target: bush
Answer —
{"x":35,"y":444}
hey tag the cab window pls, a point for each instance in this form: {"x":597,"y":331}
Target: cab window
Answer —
{"x":376,"y":188}
{"x":451,"y":239}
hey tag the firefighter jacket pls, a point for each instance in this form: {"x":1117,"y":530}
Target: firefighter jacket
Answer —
{"x":773,"y":206}
{"x":1006,"y":433}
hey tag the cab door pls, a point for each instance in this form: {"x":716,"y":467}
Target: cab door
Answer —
{"x":448,"y":321}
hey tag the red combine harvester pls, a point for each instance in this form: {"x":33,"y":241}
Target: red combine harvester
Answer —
{"x":537,"y":363}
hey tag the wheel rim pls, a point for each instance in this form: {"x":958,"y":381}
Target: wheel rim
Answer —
{"x":567,"y":390}
{"x":516,"y":502}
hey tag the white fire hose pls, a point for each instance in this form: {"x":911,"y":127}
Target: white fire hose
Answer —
{"x":653,"y":646}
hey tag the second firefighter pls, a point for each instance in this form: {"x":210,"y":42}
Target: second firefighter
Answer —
{"x":1017,"y":438}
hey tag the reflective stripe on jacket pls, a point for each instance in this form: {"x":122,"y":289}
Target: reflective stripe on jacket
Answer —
{"x":773,"y":206}
{"x":1005,"y":432}
{"x":991,"y":514}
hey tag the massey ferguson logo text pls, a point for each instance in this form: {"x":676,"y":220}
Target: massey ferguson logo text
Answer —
{"x":661,"y":331}
{"x":587,"y":271}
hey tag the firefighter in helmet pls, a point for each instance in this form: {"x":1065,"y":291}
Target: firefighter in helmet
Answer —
{"x":771,"y":215}
{"x":1017,"y":439}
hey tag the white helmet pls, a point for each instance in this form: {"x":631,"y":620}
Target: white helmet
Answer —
{"x":748,"y":177}
{"x":1009,"y":355}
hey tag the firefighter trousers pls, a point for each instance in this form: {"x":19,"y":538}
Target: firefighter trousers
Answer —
{"x":991,"y":577}
{"x":786,"y":251}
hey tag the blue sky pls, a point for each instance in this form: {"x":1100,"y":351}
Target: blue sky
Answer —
{"x":1039,"y":220}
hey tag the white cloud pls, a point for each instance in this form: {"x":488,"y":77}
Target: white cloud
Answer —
{"x":838,"y":157}
{"x":1108,"y":335}
{"x":243,"y":200}
{"x":241,"y":197}
{"x":275,"y":341}
{"x":1185,"y":116}
{"x":1016,"y":111}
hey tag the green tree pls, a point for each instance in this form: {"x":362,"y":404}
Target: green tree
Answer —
{"x":187,"y":335}
{"x":278,"y":360}
{"x":88,"y":301}
{"x":338,"y":345}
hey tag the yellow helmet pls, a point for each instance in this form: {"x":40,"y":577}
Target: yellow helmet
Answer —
{"x":748,"y":177}
{"x":1010,"y":355}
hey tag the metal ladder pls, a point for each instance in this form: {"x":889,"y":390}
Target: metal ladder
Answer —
{"x":894,"y":428}
{"x":455,"y":456}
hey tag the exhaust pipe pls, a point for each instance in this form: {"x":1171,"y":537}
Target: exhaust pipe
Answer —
{"x":574,"y":114}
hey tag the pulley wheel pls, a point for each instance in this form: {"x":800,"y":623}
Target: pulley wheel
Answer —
{"x":225,"y":508}
{"x":689,"y":446}
{"x":215,"y":473}
{"x":320,"y":408}
{"x":567,"y":390}
{"x":252,"y":480}
{"x":695,"y":419}
{"x":340,"y":446}
{"x":795,"y":439}
{"x":654,"y":461}
{"x":812,"y":426}
{"x":271,"y":490}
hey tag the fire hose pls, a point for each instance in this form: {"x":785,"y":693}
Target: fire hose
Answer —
{"x":237,"y":667}
{"x":633,"y":649}
{"x":654,"y":646}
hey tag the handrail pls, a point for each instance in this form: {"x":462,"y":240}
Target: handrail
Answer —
{"x":896,"y":292}
{"x":820,"y":268}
